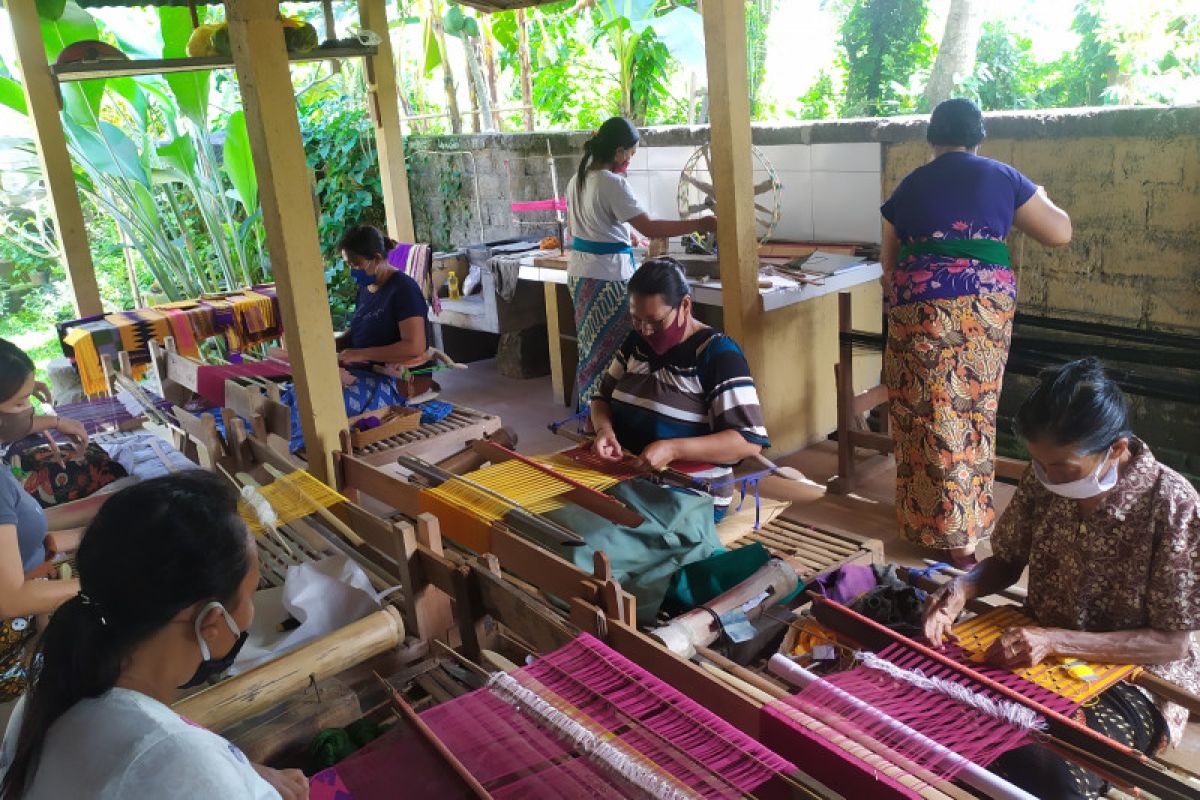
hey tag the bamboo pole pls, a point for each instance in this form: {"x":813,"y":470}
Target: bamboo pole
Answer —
{"x":264,"y":686}
{"x":526,"y":78}
{"x":439,"y":34}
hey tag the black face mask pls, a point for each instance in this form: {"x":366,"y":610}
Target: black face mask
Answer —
{"x":212,"y":667}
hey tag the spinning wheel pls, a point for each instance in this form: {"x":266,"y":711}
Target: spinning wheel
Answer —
{"x":696,"y":195}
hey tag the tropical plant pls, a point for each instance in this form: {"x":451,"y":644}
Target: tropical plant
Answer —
{"x":884,"y":45}
{"x":145,"y":157}
{"x":632,"y":30}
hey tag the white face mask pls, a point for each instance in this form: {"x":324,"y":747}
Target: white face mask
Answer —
{"x":1086,"y":487}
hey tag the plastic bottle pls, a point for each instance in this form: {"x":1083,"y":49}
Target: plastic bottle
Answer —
{"x":453,"y":284}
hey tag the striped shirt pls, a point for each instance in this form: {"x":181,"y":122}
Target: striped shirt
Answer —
{"x":699,"y":387}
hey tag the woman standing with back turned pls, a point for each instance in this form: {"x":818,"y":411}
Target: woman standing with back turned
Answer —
{"x":600,"y":209}
{"x":951,"y":296}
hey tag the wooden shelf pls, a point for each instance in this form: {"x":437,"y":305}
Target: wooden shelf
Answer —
{"x":87,"y":70}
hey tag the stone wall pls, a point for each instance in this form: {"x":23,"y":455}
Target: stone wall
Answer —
{"x":1130,"y":179}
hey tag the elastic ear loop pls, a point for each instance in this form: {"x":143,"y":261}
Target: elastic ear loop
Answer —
{"x":205,"y":653}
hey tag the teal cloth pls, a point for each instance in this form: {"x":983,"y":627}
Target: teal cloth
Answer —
{"x":677,"y":531}
{"x":701,"y":581}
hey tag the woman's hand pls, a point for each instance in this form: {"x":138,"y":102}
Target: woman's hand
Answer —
{"x":41,"y":393}
{"x":346,"y":377}
{"x":74,"y":429}
{"x":606,"y":445}
{"x":290,"y":783}
{"x":658,"y":455}
{"x":348,"y":356}
{"x":1018,"y":648}
{"x":942,"y":610}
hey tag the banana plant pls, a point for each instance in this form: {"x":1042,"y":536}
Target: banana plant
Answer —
{"x":626,"y":23}
{"x":144,"y":154}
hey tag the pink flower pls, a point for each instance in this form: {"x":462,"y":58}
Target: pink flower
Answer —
{"x":960,"y":226}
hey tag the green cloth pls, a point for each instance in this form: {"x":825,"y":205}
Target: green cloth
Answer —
{"x":701,"y":581}
{"x":989,"y":251}
{"x":678,"y":530}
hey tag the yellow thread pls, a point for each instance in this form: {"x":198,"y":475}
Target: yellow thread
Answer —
{"x":293,"y":496}
{"x":1071,"y":678}
{"x":525,"y":486}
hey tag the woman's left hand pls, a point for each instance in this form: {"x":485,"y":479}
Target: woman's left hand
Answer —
{"x":74,"y":429}
{"x":290,"y":783}
{"x":1018,"y":648}
{"x":348,"y":356}
{"x":41,"y":393}
{"x":658,"y":455}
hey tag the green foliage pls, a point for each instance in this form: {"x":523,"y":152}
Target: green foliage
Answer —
{"x":884,"y":44}
{"x":819,"y":102}
{"x":339,"y":143}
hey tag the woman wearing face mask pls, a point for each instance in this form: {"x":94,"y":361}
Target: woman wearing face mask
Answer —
{"x":1112,"y":541}
{"x":390,"y":312}
{"x":24,"y":523}
{"x":168,"y":576}
{"x":19,"y":387}
{"x":677,"y":390}
{"x":600,"y":208}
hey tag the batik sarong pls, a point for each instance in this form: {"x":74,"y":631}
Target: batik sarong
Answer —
{"x":601,"y":325}
{"x":943,"y":366}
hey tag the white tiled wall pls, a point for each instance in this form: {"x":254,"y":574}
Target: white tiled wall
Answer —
{"x":830,"y":192}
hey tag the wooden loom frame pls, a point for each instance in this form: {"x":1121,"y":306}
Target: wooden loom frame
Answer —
{"x":852,"y":407}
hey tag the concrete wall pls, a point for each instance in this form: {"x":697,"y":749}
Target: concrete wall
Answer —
{"x":1130,"y":179}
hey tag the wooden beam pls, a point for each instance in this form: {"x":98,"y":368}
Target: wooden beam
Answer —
{"x":43,"y":102}
{"x":733,"y":178}
{"x":383,"y":100}
{"x":285,"y":194}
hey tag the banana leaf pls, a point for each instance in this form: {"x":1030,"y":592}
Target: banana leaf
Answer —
{"x":239,"y":165}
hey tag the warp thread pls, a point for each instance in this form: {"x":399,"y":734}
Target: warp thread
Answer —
{"x":585,"y":741}
{"x":1003,"y":710}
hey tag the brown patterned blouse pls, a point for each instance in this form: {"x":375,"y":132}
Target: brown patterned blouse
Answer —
{"x":1132,"y":563}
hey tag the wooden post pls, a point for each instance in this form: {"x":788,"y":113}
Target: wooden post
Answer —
{"x":43,"y":103}
{"x":385,"y":114}
{"x":290,"y":221}
{"x":733,"y":180}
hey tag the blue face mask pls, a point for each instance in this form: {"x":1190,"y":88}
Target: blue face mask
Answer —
{"x":362,"y":277}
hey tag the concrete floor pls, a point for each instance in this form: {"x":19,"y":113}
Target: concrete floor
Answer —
{"x":528,"y":406}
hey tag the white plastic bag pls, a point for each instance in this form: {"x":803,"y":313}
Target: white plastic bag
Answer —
{"x":322,"y":596}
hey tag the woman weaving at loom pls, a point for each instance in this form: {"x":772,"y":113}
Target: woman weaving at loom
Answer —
{"x":1112,"y":541}
{"x":388,"y":326}
{"x":24,"y":523}
{"x":169,"y":572}
{"x":951,"y":296}
{"x":677,"y":390}
{"x":600,"y":208}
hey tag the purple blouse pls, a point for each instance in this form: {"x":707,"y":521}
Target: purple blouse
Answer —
{"x":958,"y":195}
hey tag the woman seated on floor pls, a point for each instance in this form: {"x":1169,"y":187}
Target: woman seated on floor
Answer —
{"x":677,"y":389}
{"x":390,"y":312}
{"x":1112,"y":541}
{"x":168,"y":574}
